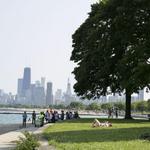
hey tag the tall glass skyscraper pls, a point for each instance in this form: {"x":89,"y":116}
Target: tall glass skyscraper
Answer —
{"x":68,"y":92}
{"x":19,"y":90}
{"x":49,"y":94}
{"x":26,"y":79}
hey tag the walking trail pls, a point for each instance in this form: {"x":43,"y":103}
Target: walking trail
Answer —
{"x":8,"y":140}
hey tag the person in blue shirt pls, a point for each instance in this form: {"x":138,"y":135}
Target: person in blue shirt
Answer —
{"x":24,"y":118}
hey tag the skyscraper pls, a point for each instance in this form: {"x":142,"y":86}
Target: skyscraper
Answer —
{"x":43,"y":82}
{"x":49,"y":94}
{"x":58,"y":97}
{"x":26,"y":79}
{"x":68,"y":92}
{"x":37,"y":95}
{"x":68,"y":95}
{"x":20,"y":85}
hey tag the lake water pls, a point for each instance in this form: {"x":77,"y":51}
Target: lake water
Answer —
{"x":17,"y":118}
{"x":11,"y":118}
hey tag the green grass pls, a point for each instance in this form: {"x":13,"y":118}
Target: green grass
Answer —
{"x":79,"y":135}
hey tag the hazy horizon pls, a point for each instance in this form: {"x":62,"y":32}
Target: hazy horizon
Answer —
{"x":37,"y":34}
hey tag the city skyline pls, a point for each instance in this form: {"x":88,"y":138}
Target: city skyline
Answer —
{"x":38,"y":34}
{"x":37,"y":93}
{"x":40,"y":93}
{"x":43,"y":80}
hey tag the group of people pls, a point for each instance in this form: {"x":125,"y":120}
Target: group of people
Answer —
{"x":24,"y":117}
{"x":70,"y":115}
{"x":53,"y":116}
{"x":50,"y":116}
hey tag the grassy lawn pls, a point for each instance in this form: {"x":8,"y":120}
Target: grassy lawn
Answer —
{"x":79,"y":135}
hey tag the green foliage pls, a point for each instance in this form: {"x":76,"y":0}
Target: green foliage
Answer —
{"x":148,"y":105}
{"x":140,"y":106}
{"x":119,"y":105}
{"x":76,"y":105}
{"x":79,"y":135}
{"x":28,"y":143}
{"x":19,"y":106}
{"x":94,"y":106}
{"x":106,"y":106}
{"x":60,"y":106}
{"x":112,"y":49}
{"x":145,"y":136}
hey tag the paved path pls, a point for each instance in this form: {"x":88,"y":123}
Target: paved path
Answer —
{"x":8,"y":140}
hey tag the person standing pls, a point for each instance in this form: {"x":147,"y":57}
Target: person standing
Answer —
{"x":33,"y":117}
{"x":47,"y":116}
{"x":62,"y":115}
{"x":24,"y":119}
{"x":109,"y":112}
{"x":116,"y":112}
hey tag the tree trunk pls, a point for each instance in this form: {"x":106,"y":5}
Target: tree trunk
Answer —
{"x":128,"y":105}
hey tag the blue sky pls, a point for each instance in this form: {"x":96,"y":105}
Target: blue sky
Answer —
{"x":37,"y":33}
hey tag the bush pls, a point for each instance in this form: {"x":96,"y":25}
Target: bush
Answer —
{"x":28,"y":143}
{"x":145,"y":136}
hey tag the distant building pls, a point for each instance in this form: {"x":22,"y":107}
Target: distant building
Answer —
{"x":146,"y":94}
{"x":37,"y":83}
{"x":20,"y":87}
{"x":68,"y":97}
{"x":6,"y":98}
{"x":49,"y":94}
{"x":26,"y":79}
{"x":68,"y":91}
{"x":141,"y":95}
{"x":58,"y":97}
{"x":43,"y":82}
{"x":38,"y":96}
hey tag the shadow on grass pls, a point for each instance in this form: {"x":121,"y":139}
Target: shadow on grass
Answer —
{"x":90,"y":120}
{"x":97,"y":135}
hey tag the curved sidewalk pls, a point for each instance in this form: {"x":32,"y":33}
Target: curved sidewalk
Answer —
{"x":8,"y":140}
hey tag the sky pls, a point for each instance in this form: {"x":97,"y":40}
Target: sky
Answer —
{"x":37,"y":34}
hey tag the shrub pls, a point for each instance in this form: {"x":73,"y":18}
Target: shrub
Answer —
{"x":145,"y":136}
{"x":29,"y":142}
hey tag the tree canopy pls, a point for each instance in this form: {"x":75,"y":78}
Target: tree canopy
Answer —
{"x":112,"y":49}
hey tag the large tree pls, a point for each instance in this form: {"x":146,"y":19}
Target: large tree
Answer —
{"x":112,"y":50}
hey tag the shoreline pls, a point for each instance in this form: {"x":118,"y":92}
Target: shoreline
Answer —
{"x":5,"y":128}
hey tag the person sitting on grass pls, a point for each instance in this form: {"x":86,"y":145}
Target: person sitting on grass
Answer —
{"x":97,"y":123}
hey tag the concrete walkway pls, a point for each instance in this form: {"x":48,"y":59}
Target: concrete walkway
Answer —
{"x":8,"y":140}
